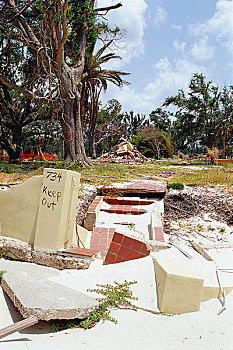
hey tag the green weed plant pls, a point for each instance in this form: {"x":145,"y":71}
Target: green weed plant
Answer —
{"x":118,"y":296}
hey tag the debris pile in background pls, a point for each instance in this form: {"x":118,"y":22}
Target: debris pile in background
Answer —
{"x":124,"y":153}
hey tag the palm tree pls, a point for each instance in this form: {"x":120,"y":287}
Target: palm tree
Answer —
{"x":94,"y":80}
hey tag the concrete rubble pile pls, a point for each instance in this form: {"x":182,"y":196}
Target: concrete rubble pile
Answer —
{"x":124,"y":153}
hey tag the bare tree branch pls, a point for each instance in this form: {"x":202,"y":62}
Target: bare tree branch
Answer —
{"x":63,"y":9}
{"x":21,"y":11}
{"x":30,"y":95}
{"x":106,"y":9}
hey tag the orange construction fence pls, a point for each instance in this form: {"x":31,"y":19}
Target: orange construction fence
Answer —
{"x":43,"y":158}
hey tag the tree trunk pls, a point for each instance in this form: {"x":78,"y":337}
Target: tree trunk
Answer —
{"x":72,"y":127}
{"x":68,"y":129}
{"x":14,"y":149}
{"x":14,"y":155}
{"x":92,"y":146}
{"x":224,"y":146}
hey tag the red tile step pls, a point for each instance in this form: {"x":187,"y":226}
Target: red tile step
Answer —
{"x":82,"y":252}
{"x":140,"y":186}
{"x":145,"y":186}
{"x":124,"y":248}
{"x":124,"y":209}
{"x":158,"y":234}
{"x":94,"y":204}
{"x":101,"y":238}
{"x":123,"y":201}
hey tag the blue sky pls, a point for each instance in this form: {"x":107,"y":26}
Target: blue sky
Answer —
{"x":166,"y":42}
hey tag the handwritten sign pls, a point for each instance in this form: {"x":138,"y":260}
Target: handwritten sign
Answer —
{"x":55,"y":227}
{"x":54,"y":176}
{"x":50,"y":197}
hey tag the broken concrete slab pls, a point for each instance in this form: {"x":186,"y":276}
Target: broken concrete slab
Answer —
{"x":18,"y":250}
{"x":140,"y":270}
{"x":31,"y":291}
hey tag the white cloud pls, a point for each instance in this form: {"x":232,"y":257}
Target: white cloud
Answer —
{"x":202,"y":51}
{"x":168,"y":79}
{"x":220,"y":25}
{"x":129,"y":98}
{"x":160,"y":15}
{"x":131,"y":19}
{"x":174,"y":26}
{"x":179,"y":46}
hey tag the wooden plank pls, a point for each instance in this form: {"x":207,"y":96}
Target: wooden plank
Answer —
{"x":18,"y":326}
{"x":181,"y":249}
{"x":201,"y":251}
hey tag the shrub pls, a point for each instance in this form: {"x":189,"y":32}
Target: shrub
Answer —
{"x":176,"y":186}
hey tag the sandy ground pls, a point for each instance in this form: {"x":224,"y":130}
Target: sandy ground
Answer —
{"x":135,"y":329}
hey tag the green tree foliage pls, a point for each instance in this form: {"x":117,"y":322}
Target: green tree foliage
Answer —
{"x":153,"y":142}
{"x":57,"y":34}
{"x":201,"y":112}
{"x":109,"y":127}
{"x":161,"y":119}
{"x":133,"y":123}
{"x":20,"y":118}
{"x":94,"y":80}
{"x":225,"y":127}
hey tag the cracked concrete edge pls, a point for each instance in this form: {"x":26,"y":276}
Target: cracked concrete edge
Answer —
{"x":24,"y":252}
{"x":157,"y":246}
{"x":47,"y":314}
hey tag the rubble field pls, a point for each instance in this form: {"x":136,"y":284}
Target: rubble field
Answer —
{"x":203,"y":214}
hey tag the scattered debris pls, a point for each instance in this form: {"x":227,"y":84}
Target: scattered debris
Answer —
{"x":199,"y":200}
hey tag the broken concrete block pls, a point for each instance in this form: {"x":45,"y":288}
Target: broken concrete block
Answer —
{"x":35,"y":295}
{"x":19,"y":209}
{"x":41,"y":211}
{"x":55,"y":227}
{"x":179,"y":289}
{"x":214,"y":292}
{"x":16,"y":249}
